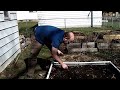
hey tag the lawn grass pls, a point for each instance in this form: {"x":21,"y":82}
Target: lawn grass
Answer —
{"x":88,"y":30}
{"x":114,"y":25}
{"x":25,"y":28}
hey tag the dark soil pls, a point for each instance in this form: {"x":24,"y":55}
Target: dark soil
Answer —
{"x":85,"y":72}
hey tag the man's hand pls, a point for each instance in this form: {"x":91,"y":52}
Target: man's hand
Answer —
{"x":56,"y":57}
{"x":59,"y":52}
{"x":64,"y":66}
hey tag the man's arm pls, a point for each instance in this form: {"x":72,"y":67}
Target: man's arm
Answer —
{"x":56,"y":57}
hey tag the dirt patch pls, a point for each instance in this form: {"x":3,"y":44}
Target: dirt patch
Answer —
{"x":79,"y":57}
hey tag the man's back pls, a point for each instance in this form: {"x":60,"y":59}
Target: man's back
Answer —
{"x":49,"y":34}
{"x":47,"y":30}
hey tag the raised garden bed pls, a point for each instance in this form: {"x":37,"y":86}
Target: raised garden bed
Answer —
{"x":84,"y":70}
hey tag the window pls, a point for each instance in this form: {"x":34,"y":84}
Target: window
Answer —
{"x":6,"y":15}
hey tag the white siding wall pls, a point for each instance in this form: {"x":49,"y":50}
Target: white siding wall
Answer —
{"x":1,"y":16}
{"x":23,"y":15}
{"x":69,"y":18}
{"x":9,"y":39}
{"x":97,"y":18}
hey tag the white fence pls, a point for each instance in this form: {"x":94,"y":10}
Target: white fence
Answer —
{"x":71,"y":22}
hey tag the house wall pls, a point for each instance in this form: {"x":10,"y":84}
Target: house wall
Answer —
{"x":23,"y":15}
{"x":9,"y":39}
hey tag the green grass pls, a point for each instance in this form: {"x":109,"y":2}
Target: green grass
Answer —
{"x":88,"y":30}
{"x":24,"y":28}
{"x":114,"y":25}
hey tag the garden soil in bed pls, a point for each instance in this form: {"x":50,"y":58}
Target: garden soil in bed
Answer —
{"x":85,"y":72}
{"x":79,"y":58}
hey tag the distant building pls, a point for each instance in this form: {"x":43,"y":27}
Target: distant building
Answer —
{"x":9,"y":38}
{"x":68,"y":19}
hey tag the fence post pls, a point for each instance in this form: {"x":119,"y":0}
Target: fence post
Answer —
{"x":26,"y":26}
{"x":112,"y":22}
{"x":119,"y":23}
{"x":107,"y":22}
{"x":65,"y":22}
{"x":91,"y":18}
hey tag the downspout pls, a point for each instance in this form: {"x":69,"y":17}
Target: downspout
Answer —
{"x":91,"y":18}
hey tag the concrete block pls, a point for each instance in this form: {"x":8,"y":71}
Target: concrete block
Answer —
{"x":88,"y":45}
